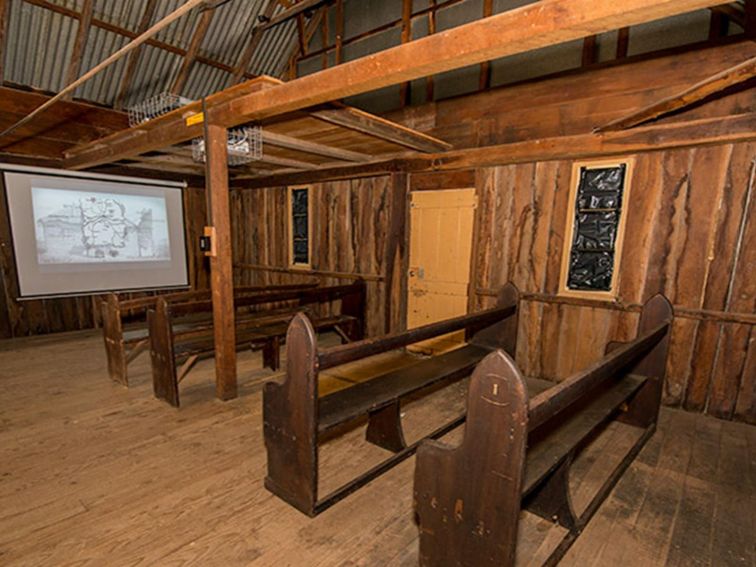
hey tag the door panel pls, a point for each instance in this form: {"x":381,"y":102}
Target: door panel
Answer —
{"x":441,"y":228}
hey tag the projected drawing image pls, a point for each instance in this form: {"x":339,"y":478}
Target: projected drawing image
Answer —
{"x":82,"y":226}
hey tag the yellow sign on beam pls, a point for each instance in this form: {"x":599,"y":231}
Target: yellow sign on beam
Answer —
{"x":195,"y":119}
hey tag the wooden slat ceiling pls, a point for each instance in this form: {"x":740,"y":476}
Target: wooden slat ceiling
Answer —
{"x":327,"y":136}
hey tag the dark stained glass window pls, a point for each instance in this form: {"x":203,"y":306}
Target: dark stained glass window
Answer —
{"x":300,"y":235}
{"x":597,"y":215}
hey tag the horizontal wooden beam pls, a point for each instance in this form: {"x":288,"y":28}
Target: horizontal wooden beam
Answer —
{"x":308,"y":272}
{"x":701,"y":90}
{"x":708,"y":131}
{"x":380,"y":128}
{"x":304,"y":146}
{"x":544,"y":23}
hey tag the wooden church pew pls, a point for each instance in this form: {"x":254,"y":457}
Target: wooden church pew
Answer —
{"x":123,"y":346}
{"x":517,"y":451}
{"x":295,"y":417}
{"x":174,"y":350}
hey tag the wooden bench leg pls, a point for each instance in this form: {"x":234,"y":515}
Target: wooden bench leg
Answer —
{"x":272,"y":354}
{"x":385,"y":428}
{"x":467,"y":498}
{"x":552,"y":501}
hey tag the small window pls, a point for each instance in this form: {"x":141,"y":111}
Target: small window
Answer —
{"x":299,"y":226}
{"x":595,"y":228}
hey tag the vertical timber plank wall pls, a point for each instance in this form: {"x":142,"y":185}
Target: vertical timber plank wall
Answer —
{"x":42,"y":316}
{"x":691,"y":234}
{"x":349,"y":234}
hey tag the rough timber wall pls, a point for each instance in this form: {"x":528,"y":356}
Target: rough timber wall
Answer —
{"x":349,"y":222}
{"x":691,"y":234}
{"x":41,"y":316}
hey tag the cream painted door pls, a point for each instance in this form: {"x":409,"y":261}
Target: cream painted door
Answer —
{"x":441,"y":230}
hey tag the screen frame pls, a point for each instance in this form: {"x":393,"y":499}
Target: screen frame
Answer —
{"x":123,"y":180}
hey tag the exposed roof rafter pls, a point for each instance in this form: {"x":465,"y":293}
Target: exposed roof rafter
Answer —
{"x":85,"y":23}
{"x":534,"y":26}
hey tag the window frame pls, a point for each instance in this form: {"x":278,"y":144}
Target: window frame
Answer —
{"x":290,"y":226}
{"x":612,"y":292}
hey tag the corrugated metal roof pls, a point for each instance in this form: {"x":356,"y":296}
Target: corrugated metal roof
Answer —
{"x":40,"y":42}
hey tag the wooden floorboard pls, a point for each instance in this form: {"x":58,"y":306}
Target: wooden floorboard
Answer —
{"x":92,"y":473}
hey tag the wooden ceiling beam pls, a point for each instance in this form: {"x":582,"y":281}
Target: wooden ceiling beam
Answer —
{"x":711,"y":85}
{"x":206,"y":18}
{"x":372,"y":125}
{"x":530,"y":27}
{"x":312,"y":148}
{"x":80,"y":43}
{"x":657,"y":137}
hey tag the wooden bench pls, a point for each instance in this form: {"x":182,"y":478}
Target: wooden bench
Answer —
{"x":174,"y":350}
{"x":295,"y":417}
{"x":123,"y":346}
{"x":517,"y":451}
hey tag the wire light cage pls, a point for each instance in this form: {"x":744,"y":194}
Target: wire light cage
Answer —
{"x":244,"y":145}
{"x":155,"y":106}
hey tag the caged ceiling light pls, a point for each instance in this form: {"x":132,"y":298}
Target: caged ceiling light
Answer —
{"x":155,"y":106}
{"x":244,"y":145}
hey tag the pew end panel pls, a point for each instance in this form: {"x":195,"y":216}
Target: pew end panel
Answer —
{"x":290,"y":417}
{"x":164,"y":383}
{"x":487,"y":467}
{"x":561,"y":421}
{"x":112,"y":332}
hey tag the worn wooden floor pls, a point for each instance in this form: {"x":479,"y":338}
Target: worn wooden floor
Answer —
{"x":95,"y":474}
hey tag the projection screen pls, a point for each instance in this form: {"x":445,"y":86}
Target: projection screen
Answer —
{"x":78,"y":233}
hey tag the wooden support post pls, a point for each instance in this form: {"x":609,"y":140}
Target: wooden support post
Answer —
{"x":396,"y":256}
{"x":405,"y":93}
{"x":221,"y":270}
{"x":623,"y":42}
{"x":750,"y":18}
{"x":590,"y":50}
{"x":484,"y":81}
{"x":339,"y":32}
{"x":431,"y":30}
